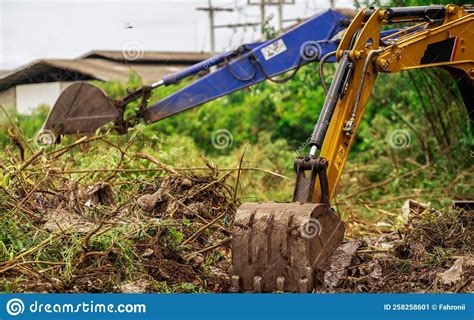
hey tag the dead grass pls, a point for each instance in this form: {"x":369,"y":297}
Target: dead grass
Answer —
{"x":95,"y":216}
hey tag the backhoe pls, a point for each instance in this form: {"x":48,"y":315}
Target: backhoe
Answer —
{"x":287,"y":246}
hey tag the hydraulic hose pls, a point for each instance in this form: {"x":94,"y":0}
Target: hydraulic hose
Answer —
{"x":321,"y":69}
{"x":370,"y":56}
{"x":342,"y":75}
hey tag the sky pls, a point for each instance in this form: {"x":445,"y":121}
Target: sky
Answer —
{"x":66,"y":29}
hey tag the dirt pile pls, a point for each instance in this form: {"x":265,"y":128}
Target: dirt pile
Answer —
{"x":432,"y":253}
{"x":136,"y":224}
{"x":170,"y":233}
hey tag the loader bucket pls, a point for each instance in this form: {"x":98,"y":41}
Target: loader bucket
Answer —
{"x":283,"y":246}
{"x":81,"y":109}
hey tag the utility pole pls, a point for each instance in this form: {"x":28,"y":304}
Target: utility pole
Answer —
{"x":263,"y":3}
{"x":212,"y":26}
{"x":280,"y":14}
{"x":262,"y":17}
{"x":211,"y":10}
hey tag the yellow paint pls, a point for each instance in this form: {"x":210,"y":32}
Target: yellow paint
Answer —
{"x":340,"y":157}
{"x":405,"y":54}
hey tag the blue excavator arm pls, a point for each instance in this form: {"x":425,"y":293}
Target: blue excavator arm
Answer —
{"x":251,"y":64}
{"x":83,"y":108}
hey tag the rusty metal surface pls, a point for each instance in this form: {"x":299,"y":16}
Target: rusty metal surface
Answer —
{"x":283,"y":246}
{"x":81,"y":108}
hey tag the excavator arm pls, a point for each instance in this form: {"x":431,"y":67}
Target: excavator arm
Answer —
{"x":83,"y":108}
{"x":444,"y":40}
{"x":286,"y":247}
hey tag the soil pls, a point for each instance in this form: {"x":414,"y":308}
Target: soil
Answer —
{"x":161,"y":236}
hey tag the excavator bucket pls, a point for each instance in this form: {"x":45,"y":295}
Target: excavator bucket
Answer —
{"x":286,"y":246}
{"x":283,"y":246}
{"x":81,"y":108}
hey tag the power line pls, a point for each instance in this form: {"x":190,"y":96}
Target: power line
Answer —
{"x":211,"y":10}
{"x":264,"y":3}
{"x":212,"y":26}
{"x":262,"y":6}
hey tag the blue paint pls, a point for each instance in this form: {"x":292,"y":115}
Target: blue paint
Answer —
{"x":244,"y":68}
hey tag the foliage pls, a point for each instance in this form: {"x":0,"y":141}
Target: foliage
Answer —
{"x":30,"y":124}
{"x":276,"y":120}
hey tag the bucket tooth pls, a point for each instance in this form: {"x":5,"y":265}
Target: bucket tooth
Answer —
{"x":304,"y":285}
{"x":257,"y":284}
{"x":280,"y":284}
{"x":283,"y":246}
{"x":235,"y":283}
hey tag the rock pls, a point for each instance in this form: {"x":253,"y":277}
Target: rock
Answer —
{"x":138,"y":286}
{"x":148,"y":253}
{"x":456,"y":272}
{"x":196,"y":260}
{"x":339,"y":262}
{"x":101,"y":193}
{"x":148,"y":202}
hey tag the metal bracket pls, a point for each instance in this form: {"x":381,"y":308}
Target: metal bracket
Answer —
{"x":304,"y":186}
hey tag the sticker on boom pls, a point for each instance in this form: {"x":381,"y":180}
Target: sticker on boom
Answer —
{"x":273,"y":49}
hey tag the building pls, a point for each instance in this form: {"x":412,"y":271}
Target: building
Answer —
{"x":41,"y":81}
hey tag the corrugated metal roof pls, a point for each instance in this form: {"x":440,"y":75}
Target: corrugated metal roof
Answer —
{"x":110,"y":70}
{"x":149,"y":56}
{"x":96,"y":66}
{"x":111,"y":65}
